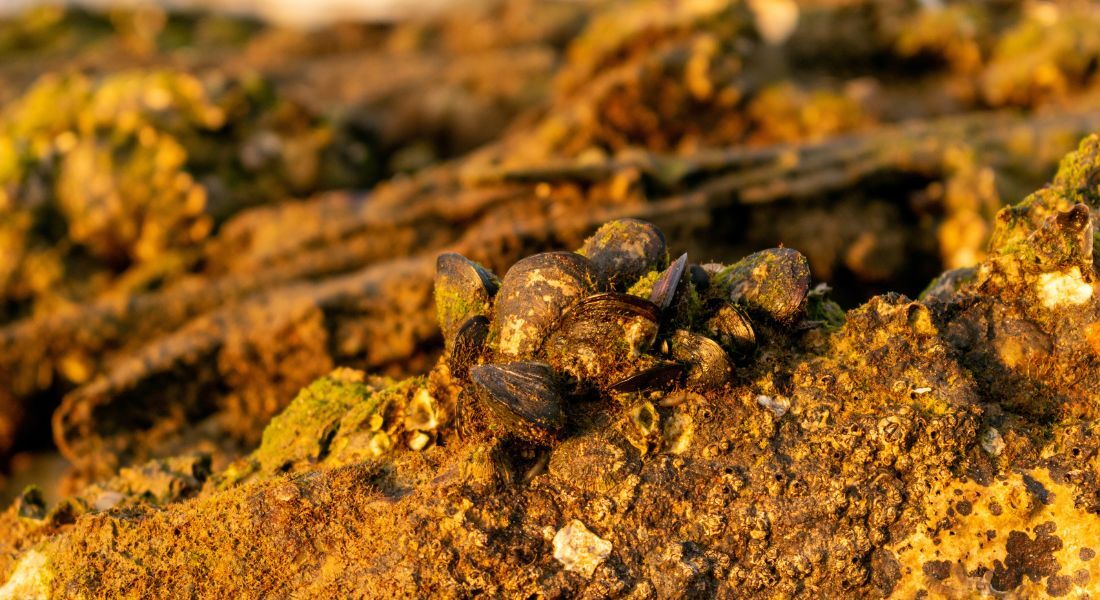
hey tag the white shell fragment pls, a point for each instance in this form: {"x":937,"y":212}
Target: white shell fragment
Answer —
{"x":992,"y":442}
{"x":380,"y":443}
{"x":107,"y":500}
{"x":31,"y":578}
{"x":420,"y":414}
{"x":579,"y":550}
{"x":779,"y":405}
{"x":776,"y":20}
{"x":1066,"y":288}
{"x":419,"y":441}
{"x":678,"y":432}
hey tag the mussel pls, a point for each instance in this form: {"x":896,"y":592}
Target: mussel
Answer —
{"x":600,"y":337}
{"x":707,"y":364}
{"x":664,"y":289}
{"x":534,"y":294}
{"x":468,"y":345}
{"x":649,"y":374}
{"x":522,"y":398}
{"x":552,"y":329}
{"x":772,"y":282}
{"x":463,"y":289}
{"x":731,"y":327}
{"x":623,"y":250}
{"x":700,"y":277}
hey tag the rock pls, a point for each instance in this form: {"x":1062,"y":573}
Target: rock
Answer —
{"x":579,"y":550}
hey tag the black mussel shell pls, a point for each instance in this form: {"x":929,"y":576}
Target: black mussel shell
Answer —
{"x":707,"y":363}
{"x":463,"y":289}
{"x":700,"y":278}
{"x":663,"y":375}
{"x":772,"y":282}
{"x":468,"y":345}
{"x":601,"y":335}
{"x":534,"y":294}
{"x":664,"y":289}
{"x":624,"y":250}
{"x":522,"y":398}
{"x":731,"y":327}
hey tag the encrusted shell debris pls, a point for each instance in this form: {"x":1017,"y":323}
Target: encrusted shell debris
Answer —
{"x":677,"y":433}
{"x":421,"y":413}
{"x":643,"y":427}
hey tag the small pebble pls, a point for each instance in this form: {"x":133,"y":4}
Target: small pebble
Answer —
{"x":107,"y":500}
{"x":579,"y":550}
{"x":992,"y":442}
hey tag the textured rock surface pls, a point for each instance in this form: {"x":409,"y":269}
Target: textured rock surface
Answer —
{"x":693,"y":115}
{"x":944,"y":446}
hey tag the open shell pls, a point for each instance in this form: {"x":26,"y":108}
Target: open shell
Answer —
{"x":707,"y":363}
{"x":731,"y":327}
{"x":468,"y":346}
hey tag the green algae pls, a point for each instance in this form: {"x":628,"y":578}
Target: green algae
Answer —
{"x":771,"y":282}
{"x":370,"y":428}
{"x":117,"y":179}
{"x":453,"y":307}
{"x":643,"y":288}
{"x":1078,"y":177}
{"x":305,"y":429}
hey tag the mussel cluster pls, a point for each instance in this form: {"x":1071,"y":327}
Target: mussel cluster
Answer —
{"x":616,"y":317}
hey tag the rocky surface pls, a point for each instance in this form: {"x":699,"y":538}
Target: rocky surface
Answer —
{"x":940,"y":443}
{"x":943,"y":446}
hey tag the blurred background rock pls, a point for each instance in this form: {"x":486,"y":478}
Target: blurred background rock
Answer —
{"x":289,"y":12}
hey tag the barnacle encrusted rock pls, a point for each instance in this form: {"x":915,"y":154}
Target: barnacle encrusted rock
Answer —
{"x":946,"y":446}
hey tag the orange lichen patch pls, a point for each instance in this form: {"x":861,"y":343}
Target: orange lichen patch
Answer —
{"x":1021,"y":534}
